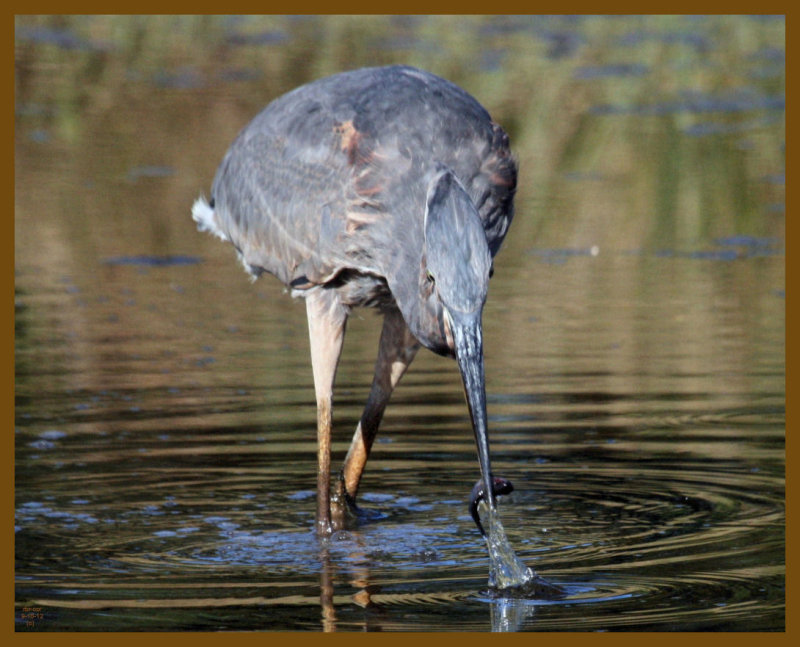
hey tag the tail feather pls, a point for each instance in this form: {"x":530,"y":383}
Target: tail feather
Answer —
{"x":203,"y":215}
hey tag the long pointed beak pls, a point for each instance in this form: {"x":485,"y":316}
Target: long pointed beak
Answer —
{"x":468,"y":338}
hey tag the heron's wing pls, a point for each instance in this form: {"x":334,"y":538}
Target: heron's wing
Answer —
{"x":334,"y":174}
{"x":276,"y":203}
{"x":492,"y":189}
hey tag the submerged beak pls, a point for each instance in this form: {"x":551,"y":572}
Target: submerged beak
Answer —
{"x":468,"y":341}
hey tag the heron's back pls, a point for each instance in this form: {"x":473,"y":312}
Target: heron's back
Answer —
{"x":331,"y":178}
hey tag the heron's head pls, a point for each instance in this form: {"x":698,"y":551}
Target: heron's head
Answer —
{"x":457,"y":264}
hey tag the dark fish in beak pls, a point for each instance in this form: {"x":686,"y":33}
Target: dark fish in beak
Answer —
{"x":500,"y":486}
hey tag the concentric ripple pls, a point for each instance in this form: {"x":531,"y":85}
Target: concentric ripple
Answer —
{"x":672,"y":546}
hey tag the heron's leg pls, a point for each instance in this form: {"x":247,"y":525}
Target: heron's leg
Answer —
{"x":397,"y":350}
{"x":326,"y":325}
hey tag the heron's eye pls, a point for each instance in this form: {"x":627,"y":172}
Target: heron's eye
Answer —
{"x":429,"y":276}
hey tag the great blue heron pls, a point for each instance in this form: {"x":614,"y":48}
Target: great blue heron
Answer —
{"x":387,"y":187}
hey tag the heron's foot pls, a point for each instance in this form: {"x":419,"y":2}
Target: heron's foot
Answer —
{"x":499,"y":486}
{"x":345,"y":514}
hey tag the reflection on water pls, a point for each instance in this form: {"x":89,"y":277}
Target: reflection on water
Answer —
{"x":634,"y":336}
